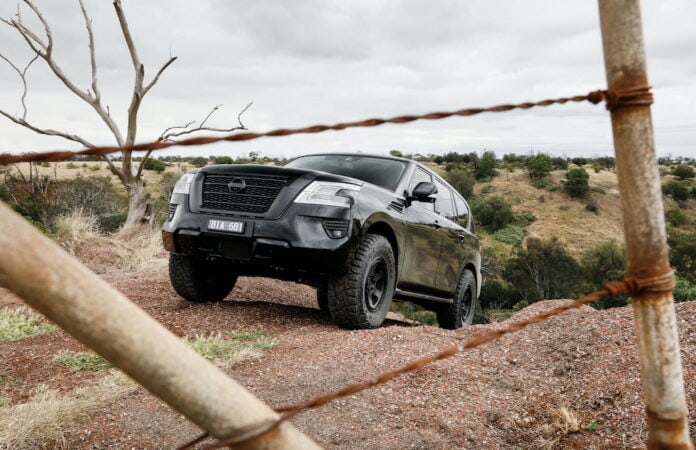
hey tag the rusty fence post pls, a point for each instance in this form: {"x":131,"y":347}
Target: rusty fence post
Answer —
{"x":65,"y":291}
{"x":644,"y":228}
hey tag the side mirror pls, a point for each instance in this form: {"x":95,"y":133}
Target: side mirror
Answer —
{"x":423,"y":191}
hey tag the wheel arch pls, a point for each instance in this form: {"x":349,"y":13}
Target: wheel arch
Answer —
{"x":477,"y":277}
{"x":383,"y":229}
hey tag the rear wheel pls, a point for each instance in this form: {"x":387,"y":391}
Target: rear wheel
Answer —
{"x":199,"y":281}
{"x":461,"y":312}
{"x":361,"y":298}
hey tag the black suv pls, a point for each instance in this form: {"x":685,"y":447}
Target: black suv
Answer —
{"x":362,"y":229}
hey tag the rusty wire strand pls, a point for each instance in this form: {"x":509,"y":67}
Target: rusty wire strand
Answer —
{"x":629,"y":285}
{"x":614,"y":98}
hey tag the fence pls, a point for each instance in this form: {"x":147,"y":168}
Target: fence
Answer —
{"x":69,"y":294}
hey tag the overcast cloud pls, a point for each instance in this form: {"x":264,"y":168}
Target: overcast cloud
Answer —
{"x":308,"y":62}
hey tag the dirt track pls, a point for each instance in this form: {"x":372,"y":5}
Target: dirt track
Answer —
{"x":503,"y":395}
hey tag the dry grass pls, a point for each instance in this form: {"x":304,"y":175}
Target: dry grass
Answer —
{"x":131,"y":250}
{"x":44,"y":420}
{"x":560,"y":216}
{"x":565,"y":422}
{"x":230,"y":349}
{"x":20,"y":323}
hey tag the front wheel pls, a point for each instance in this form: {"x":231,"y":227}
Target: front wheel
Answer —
{"x":199,"y":281}
{"x":360,"y":299}
{"x":461,"y":312}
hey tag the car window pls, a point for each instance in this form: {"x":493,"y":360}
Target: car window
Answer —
{"x":420,"y":175}
{"x":380,"y":171}
{"x":444,"y":204}
{"x":462,"y":211}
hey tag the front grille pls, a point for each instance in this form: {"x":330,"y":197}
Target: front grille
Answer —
{"x":256,"y":197}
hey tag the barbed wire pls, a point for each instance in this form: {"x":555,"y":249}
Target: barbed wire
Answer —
{"x":628,"y":286}
{"x":614,"y":99}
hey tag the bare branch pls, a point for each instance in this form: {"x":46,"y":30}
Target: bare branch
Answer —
{"x":114,"y":169}
{"x":186,"y":130}
{"x":141,"y":166}
{"x":215,"y":108}
{"x":46,"y":131}
{"x":49,"y":46}
{"x":92,"y":54}
{"x":22,"y":75}
{"x":127,"y":36}
{"x":159,"y":73}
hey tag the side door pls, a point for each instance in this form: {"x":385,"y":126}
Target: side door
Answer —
{"x":454,"y":237}
{"x":422,"y":241}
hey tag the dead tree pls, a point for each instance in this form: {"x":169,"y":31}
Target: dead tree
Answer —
{"x":42,"y":44}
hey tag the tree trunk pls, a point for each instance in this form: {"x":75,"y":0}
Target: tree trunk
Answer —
{"x":139,"y":208}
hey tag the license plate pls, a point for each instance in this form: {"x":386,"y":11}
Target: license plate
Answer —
{"x":228,"y":226}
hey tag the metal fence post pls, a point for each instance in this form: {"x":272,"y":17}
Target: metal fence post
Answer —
{"x":644,"y":228}
{"x":65,"y":291}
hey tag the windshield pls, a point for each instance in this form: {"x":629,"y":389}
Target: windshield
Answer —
{"x":380,"y":171}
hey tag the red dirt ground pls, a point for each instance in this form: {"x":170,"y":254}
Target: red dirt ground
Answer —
{"x":505,"y":394}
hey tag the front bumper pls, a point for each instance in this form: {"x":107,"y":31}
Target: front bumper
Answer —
{"x":298,"y":242}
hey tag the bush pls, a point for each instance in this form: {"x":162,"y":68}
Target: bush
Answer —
{"x":678,"y":190}
{"x":523,"y":219}
{"x":675,"y":217}
{"x":683,"y":172}
{"x":579,"y":161}
{"x":497,"y":294}
{"x":511,"y":234}
{"x":576,"y":183}
{"x":559,"y":163}
{"x":200,"y":161}
{"x":682,"y":253}
{"x":488,"y":189}
{"x":684,"y":291}
{"x":539,"y":166}
{"x":154,"y":164}
{"x":461,"y":180}
{"x":484,"y":167}
{"x":597,"y":167}
{"x":541,"y":183}
{"x":591,"y":206}
{"x":600,"y":264}
{"x":493,"y":213}
{"x":544,"y":270}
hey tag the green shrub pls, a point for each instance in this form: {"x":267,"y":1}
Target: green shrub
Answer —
{"x":461,"y":180}
{"x":675,"y":217}
{"x":678,"y":190}
{"x":71,"y":165}
{"x":95,"y":168}
{"x":16,"y":324}
{"x":493,"y":213}
{"x":414,"y":312}
{"x":488,"y":189}
{"x":538,"y":166}
{"x":576,"y":183}
{"x":682,"y":253}
{"x":542,"y":183}
{"x":597,"y":167}
{"x":497,"y":294}
{"x":485,"y":166}
{"x":200,"y":161}
{"x":684,"y":291}
{"x":519,"y":306}
{"x":81,"y":361}
{"x":522,"y":219}
{"x":511,"y":234}
{"x":683,"y":172}
{"x":603,"y":263}
{"x":579,"y":161}
{"x":543,"y":270}
{"x":154,"y":164}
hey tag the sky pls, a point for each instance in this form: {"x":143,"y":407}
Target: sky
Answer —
{"x":320,"y":62}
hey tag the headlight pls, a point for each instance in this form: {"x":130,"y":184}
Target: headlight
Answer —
{"x":327,"y":193}
{"x":184,"y":184}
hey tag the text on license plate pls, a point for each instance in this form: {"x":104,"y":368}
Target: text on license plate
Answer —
{"x":230,"y":226}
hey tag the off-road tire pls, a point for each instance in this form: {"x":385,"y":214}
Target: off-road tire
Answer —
{"x":461,"y":312}
{"x":323,"y":296}
{"x":360,"y":298}
{"x":199,"y":281}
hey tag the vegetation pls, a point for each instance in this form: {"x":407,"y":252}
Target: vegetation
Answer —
{"x":678,"y":190}
{"x":20,"y":323}
{"x":232,"y":348}
{"x":683,"y":172}
{"x":539,"y":166}
{"x":485,"y":166}
{"x":576,"y":183}
{"x":79,"y":361}
{"x":493,"y":213}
